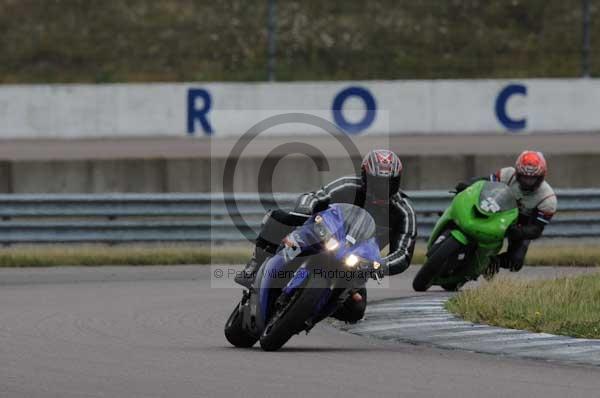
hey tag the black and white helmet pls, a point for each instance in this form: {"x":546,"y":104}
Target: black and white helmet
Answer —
{"x":381,"y":172}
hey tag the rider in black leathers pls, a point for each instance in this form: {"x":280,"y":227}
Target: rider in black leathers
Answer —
{"x":377,"y":190}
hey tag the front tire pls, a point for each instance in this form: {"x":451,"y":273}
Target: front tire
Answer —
{"x":435,"y":264}
{"x":291,"y":319}
{"x":234,"y":331}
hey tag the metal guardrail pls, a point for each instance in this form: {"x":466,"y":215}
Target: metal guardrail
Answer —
{"x":116,"y":218}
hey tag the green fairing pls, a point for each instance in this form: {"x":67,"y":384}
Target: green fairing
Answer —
{"x":473,"y":225}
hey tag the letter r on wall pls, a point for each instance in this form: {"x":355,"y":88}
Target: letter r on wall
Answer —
{"x":195,"y":114}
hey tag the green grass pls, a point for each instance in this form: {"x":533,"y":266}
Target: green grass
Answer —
{"x":202,"y":40}
{"x":93,"y":255}
{"x":566,"y":306}
{"x":88,"y":255}
{"x":564,"y":254}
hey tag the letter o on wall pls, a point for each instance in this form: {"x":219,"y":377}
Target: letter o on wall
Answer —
{"x":370,"y":109}
{"x":501,"y":101}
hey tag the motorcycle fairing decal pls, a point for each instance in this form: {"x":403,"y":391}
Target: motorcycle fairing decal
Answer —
{"x":300,"y":276}
{"x":489,"y":205}
{"x":292,"y":246}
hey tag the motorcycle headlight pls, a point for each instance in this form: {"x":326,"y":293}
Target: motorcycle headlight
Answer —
{"x":354,"y":261}
{"x":351,"y":260}
{"x":332,"y":244}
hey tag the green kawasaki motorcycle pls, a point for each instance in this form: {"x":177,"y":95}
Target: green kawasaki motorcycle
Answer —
{"x":470,"y":231}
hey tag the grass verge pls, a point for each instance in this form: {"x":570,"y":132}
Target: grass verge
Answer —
{"x":51,"y":256}
{"x":564,"y":254}
{"x":93,"y":255}
{"x":566,"y":306}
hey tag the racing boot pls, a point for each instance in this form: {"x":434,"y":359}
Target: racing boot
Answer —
{"x":492,"y":269}
{"x":353,"y":309}
{"x":496,"y":263}
{"x":247,"y":276}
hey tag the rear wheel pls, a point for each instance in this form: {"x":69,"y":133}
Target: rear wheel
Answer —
{"x":291,"y":317}
{"x":234,"y":331}
{"x":435,"y":264}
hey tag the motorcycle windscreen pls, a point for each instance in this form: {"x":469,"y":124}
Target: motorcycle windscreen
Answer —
{"x":359,"y":226}
{"x":496,"y":197}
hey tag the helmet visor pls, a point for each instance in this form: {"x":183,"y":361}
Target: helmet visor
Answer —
{"x":382,"y":187}
{"x":529,"y":183}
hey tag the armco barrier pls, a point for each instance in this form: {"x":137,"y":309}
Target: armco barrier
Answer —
{"x":120,"y":218}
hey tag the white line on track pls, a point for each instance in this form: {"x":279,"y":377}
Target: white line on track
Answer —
{"x":515,"y":335}
{"x":572,"y":349}
{"x":542,"y":343}
{"x":388,"y":326}
{"x":469,"y":333}
{"x":419,"y":320}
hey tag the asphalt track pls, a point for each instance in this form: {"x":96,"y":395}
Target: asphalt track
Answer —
{"x":157,"y":332}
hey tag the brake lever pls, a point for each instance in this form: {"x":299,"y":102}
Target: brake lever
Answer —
{"x":377,"y":278}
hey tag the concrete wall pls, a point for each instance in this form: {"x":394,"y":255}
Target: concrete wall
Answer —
{"x":229,"y":109}
{"x":293,"y":174}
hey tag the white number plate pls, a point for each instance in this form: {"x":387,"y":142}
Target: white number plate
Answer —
{"x":490,"y":205}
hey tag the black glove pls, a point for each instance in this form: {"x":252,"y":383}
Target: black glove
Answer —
{"x":304,"y":204}
{"x":461,"y":186}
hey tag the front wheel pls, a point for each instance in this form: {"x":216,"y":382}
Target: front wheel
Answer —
{"x":291,"y":318}
{"x":234,"y":331}
{"x":435,"y":263}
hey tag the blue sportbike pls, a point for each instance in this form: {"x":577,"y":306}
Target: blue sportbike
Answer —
{"x":315,"y":270}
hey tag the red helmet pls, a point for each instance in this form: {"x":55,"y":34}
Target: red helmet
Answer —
{"x":381,"y":172}
{"x":530,"y":170}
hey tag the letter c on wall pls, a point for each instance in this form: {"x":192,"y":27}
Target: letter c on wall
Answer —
{"x":501,"y":101}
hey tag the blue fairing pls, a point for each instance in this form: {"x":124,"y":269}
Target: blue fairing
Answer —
{"x":300,"y":276}
{"x":310,"y":243}
{"x":334,"y":220}
{"x":271,"y":269}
